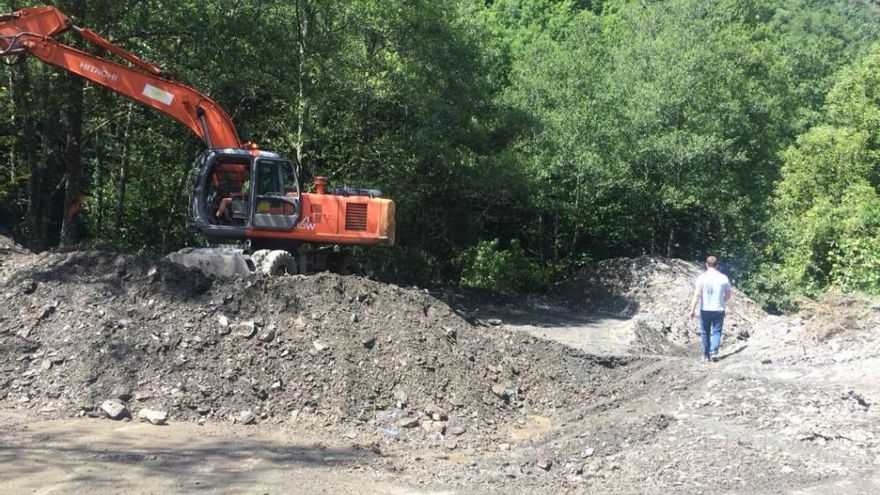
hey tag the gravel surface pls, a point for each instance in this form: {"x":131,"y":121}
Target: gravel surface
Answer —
{"x":468,"y":391}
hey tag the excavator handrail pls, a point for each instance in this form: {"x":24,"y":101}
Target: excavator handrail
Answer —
{"x":98,"y":40}
{"x":32,"y":32}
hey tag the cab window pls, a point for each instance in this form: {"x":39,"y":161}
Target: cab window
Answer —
{"x":270,"y":177}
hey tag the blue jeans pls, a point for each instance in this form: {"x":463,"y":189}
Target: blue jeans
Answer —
{"x":710,"y":330}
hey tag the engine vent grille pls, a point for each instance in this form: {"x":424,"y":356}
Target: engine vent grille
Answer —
{"x":356,"y":216}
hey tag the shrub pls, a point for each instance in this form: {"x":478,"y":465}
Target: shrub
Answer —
{"x":504,"y":270}
{"x":856,"y":265}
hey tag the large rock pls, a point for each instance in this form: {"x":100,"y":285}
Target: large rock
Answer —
{"x":153,"y":416}
{"x":246,"y":418}
{"x":115,"y":409}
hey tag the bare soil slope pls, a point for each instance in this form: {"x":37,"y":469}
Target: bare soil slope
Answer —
{"x":82,"y":327}
{"x":410,"y":392}
{"x":652,"y":295}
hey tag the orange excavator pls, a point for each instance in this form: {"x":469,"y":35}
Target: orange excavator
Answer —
{"x":241,"y":193}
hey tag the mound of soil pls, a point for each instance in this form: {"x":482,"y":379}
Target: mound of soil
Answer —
{"x":836,"y":328}
{"x":653,"y":293}
{"x":844,"y":317}
{"x":82,"y":327}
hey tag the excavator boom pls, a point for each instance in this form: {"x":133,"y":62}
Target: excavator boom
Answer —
{"x":33,"y":32}
{"x":40,"y":21}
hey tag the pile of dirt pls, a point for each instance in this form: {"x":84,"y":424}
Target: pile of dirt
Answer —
{"x":652,"y":294}
{"x":836,"y":328}
{"x":79,"y":328}
{"x":838,"y":316}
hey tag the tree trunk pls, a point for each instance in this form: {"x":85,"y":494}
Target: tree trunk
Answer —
{"x":13,"y":93}
{"x":99,"y":182}
{"x":578,"y":219}
{"x":122,"y":184}
{"x":74,"y":192}
{"x":39,"y":152}
{"x":182,"y":186}
{"x":50,"y":166}
{"x":303,"y":24}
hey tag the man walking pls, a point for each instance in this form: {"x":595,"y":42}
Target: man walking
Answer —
{"x":712,"y":292}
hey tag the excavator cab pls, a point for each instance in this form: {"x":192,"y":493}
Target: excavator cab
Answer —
{"x":240,"y":190}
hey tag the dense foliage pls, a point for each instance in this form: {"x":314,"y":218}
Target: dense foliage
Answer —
{"x":519,"y":138}
{"x":827,"y":222}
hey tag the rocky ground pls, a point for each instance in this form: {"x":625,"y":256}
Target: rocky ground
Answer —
{"x":594,"y":388}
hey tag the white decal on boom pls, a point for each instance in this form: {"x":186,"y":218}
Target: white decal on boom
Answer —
{"x":157,"y":94}
{"x":98,"y":71}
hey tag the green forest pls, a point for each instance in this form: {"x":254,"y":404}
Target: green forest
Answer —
{"x":520,"y":139}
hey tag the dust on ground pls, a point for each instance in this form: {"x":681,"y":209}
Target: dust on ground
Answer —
{"x":91,"y":455}
{"x":594,"y":388}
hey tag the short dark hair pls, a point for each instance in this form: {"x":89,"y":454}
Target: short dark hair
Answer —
{"x":711,"y":261}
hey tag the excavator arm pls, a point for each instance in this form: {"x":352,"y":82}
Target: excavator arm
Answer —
{"x":34,"y":31}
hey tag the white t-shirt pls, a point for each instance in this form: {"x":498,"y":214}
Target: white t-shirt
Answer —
{"x":713,"y":286}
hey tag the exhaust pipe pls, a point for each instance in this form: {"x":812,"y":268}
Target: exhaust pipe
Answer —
{"x":320,"y":184}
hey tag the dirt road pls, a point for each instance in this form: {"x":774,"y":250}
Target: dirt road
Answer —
{"x":73,"y":456}
{"x":674,"y":426}
{"x":769,"y":417}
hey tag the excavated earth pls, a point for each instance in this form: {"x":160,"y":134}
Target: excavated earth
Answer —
{"x":594,"y":388}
